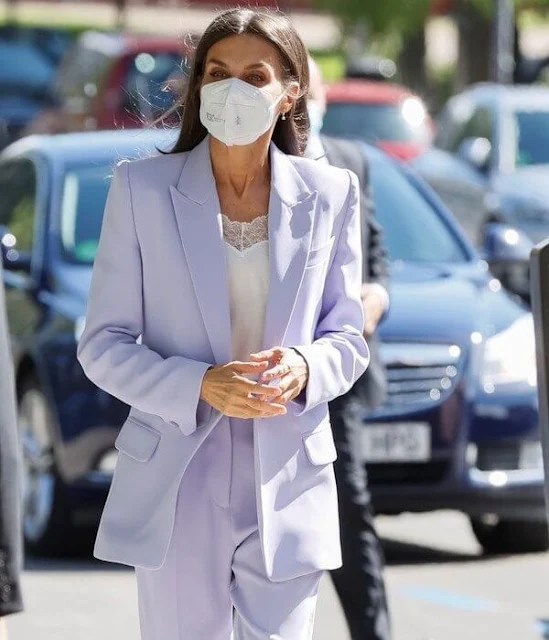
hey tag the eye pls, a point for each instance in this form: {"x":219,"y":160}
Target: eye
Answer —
{"x":217,"y":73}
{"x":256,"y":79}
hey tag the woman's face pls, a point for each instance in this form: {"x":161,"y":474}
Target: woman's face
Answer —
{"x":251,"y":59}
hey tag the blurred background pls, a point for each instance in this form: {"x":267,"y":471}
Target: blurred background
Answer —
{"x":450,"y":100}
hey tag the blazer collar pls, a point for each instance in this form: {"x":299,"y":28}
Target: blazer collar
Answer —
{"x":197,"y":183}
{"x":291,"y":220}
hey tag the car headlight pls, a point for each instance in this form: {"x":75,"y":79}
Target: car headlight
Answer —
{"x":510,"y":356}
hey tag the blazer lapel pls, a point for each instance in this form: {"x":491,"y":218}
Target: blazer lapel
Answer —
{"x":198,"y":216}
{"x":291,"y":219}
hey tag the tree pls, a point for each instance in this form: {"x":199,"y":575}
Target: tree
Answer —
{"x":400,"y":21}
{"x":407,"y":19}
{"x":381,"y":17}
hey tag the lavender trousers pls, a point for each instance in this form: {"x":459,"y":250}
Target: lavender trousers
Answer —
{"x":212,"y":585}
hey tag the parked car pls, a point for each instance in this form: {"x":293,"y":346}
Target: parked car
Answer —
{"x":29,"y":57}
{"x":491,"y":158}
{"x":381,"y":113}
{"x":113,"y":80}
{"x":459,"y":429}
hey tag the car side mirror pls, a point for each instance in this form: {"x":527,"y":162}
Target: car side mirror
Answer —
{"x":13,"y":259}
{"x":476,"y":152}
{"x":507,"y":252}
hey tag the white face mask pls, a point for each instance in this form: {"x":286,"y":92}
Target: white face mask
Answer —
{"x":236,"y":112}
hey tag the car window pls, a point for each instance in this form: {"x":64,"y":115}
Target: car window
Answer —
{"x":452,"y":121}
{"x":374,"y":122}
{"x":24,"y":70}
{"x":145,"y":82}
{"x":18,"y":201}
{"x":480,"y":125}
{"x":531,"y":129}
{"x":414,"y":231}
{"x":84,"y":195}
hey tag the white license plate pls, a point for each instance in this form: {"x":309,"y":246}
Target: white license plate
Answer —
{"x":397,"y":442}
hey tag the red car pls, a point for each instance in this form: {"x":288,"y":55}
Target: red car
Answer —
{"x":113,"y":80}
{"x":382,"y":113}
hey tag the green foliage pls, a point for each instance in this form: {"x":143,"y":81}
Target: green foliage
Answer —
{"x":405,"y":16}
{"x":381,"y":15}
{"x":331,"y":65}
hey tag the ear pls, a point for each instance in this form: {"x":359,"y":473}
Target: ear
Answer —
{"x":292,"y":94}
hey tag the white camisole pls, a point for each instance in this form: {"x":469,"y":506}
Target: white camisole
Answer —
{"x":247,"y":250}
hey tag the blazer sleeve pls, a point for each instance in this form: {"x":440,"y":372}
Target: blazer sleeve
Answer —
{"x":339,"y":354}
{"x":108,"y":349}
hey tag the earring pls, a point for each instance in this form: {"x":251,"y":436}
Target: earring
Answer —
{"x":284,"y":116}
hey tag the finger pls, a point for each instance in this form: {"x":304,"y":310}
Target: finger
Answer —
{"x":263,"y":390}
{"x":268,"y":354}
{"x":264,"y":408}
{"x":278,"y":371}
{"x":290,"y":389}
{"x":286,"y":397}
{"x":249,"y":367}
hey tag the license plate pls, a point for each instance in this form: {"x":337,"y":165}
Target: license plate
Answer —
{"x":397,"y":442}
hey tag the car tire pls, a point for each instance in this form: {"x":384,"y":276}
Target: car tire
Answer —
{"x":498,"y":536}
{"x":47,"y":519}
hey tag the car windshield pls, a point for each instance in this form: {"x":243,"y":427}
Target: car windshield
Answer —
{"x":374,"y":122}
{"x":531,"y":137}
{"x":413,"y":229}
{"x":29,"y":59}
{"x":414,"y":232}
{"x":83,"y":201}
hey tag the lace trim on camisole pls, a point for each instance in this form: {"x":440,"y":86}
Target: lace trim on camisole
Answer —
{"x":243,"y":235}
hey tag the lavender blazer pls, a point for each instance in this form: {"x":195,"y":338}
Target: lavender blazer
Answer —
{"x":158,"y":317}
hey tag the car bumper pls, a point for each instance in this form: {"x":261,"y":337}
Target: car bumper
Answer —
{"x":514,"y":495}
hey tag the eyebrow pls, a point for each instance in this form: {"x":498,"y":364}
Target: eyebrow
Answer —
{"x":256,"y":65}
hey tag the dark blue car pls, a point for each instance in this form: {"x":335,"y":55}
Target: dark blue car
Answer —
{"x":459,"y":429}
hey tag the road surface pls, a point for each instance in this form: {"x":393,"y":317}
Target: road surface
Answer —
{"x":440,"y":588}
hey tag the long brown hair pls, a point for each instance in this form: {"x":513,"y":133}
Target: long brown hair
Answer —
{"x":289,"y":135}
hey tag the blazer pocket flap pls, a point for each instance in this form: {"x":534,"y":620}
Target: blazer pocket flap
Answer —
{"x":137,"y":440}
{"x":320,"y":254}
{"x":320,"y":446}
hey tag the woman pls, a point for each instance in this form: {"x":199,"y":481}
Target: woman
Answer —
{"x":237,"y":264}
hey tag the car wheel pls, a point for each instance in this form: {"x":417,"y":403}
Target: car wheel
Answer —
{"x":497,"y":536}
{"x":47,"y":523}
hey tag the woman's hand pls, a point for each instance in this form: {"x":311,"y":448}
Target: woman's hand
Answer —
{"x":286,"y":365}
{"x":374,"y":305}
{"x":226,"y":389}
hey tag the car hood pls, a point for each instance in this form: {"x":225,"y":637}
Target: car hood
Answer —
{"x":446,"y":304}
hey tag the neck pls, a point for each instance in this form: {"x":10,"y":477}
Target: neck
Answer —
{"x":240,"y":166}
